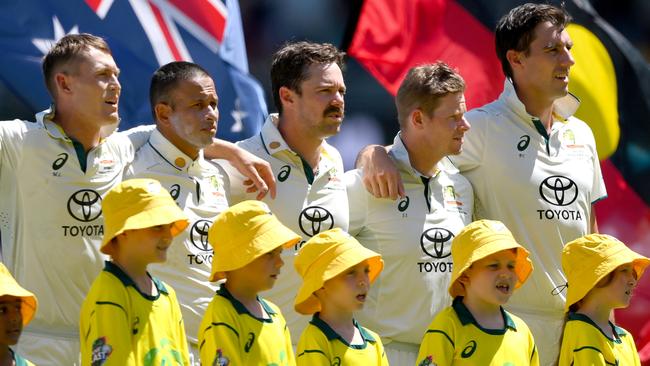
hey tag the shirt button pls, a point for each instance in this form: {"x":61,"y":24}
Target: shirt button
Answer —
{"x":180,"y":162}
{"x":274,"y":145}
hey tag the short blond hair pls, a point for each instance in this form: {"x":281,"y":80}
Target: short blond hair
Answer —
{"x":423,"y":87}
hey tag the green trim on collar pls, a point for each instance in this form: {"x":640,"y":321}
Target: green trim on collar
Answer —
{"x":542,"y":131}
{"x":81,"y":154}
{"x":619,"y":332}
{"x":241,"y":309}
{"x":309,"y":172}
{"x":127,"y":281}
{"x":332,"y":335}
{"x":466,"y":317}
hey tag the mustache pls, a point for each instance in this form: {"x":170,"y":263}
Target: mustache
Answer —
{"x":333,"y":109}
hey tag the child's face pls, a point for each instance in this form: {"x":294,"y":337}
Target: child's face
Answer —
{"x":492,"y":279}
{"x":618,"y":292}
{"x":262,"y":273}
{"x":347,"y":291}
{"x":11,"y":320}
{"x":149,"y":245}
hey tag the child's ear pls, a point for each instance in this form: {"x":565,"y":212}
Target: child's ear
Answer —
{"x":464,"y":279}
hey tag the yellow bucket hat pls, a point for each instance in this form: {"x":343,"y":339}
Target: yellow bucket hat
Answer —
{"x":480,"y":239}
{"x":9,"y":287}
{"x":325,"y":256}
{"x":590,"y":258}
{"x":139,"y":204}
{"x":244,"y":232}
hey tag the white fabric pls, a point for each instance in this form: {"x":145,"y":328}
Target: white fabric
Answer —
{"x":305,"y":208}
{"x":197,"y":187}
{"x":415,"y":243}
{"x":541,"y":190}
{"x":52,"y":224}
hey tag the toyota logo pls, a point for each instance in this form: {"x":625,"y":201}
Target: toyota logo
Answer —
{"x":199,"y":235}
{"x":85,"y":205}
{"x":558,"y":190}
{"x":435,"y":242}
{"x":315,"y":219}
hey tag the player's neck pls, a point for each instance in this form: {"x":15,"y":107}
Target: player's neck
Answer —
{"x":247,"y":297}
{"x":301,"y":142}
{"x":87,"y":134}
{"x":421,"y":156}
{"x":487,"y":315}
{"x":539,"y":106}
{"x":599,"y":313}
{"x":138,"y":274}
{"x":341,"y":322}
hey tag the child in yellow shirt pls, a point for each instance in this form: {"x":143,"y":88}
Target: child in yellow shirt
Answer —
{"x":240,"y":328}
{"x":601,"y":275}
{"x":129,"y":317}
{"x":337,"y":272}
{"x":488,"y":266}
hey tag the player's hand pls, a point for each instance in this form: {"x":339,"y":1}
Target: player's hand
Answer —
{"x":380,"y":175}
{"x":258,"y":173}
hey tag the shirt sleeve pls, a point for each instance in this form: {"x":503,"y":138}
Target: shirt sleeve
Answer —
{"x":221,"y":343}
{"x":108,"y":333}
{"x":233,"y":182}
{"x":12,"y":135}
{"x":357,"y":201}
{"x":473,"y":149}
{"x":437,"y":347}
{"x":313,"y":348}
{"x":598,"y":190}
{"x":138,"y":135}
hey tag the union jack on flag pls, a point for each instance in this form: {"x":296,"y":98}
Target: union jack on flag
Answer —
{"x":143,"y":35}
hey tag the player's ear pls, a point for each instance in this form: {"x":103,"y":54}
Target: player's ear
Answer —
{"x":514,"y":58}
{"x":416,"y":118}
{"x":464,"y":279}
{"x":287,"y":95}
{"x":162,"y":110}
{"x":62,"y":83}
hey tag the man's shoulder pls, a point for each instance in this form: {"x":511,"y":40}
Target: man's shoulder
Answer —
{"x":253,"y":144}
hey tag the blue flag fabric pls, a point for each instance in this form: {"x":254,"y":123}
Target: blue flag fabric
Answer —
{"x":143,"y":35}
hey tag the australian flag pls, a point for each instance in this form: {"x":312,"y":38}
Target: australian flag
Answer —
{"x":143,"y":35}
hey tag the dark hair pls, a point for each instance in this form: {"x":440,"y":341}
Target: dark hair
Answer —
{"x":67,"y":50}
{"x":290,"y":63}
{"x":167,"y":76}
{"x":423,"y":87}
{"x":515,"y":30}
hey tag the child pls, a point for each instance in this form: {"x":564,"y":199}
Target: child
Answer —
{"x":17,"y":308}
{"x":337,"y":272}
{"x":488,"y":265}
{"x":601,"y":274}
{"x":239,"y":328}
{"x":129,"y":317}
